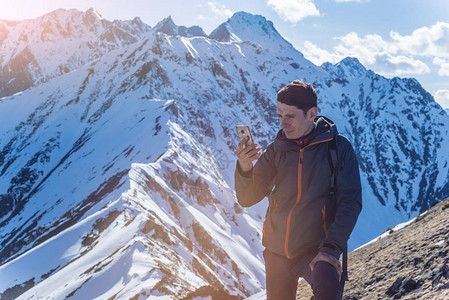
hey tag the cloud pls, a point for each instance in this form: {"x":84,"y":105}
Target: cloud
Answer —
{"x":318,"y":56}
{"x":365,"y":49}
{"x":442,"y":97}
{"x":389,"y":65}
{"x":391,"y":56}
{"x":294,"y":10}
{"x":444,"y":66}
{"x":384,"y":62}
{"x":219,"y":9}
{"x":425,"y":41}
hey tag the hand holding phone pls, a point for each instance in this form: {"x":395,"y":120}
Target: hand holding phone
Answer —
{"x":247,"y":151}
{"x":243,"y":131}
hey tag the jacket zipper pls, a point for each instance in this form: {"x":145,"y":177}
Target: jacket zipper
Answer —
{"x":287,"y":234}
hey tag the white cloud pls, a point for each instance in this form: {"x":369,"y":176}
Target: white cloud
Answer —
{"x":442,"y":97}
{"x":389,"y":65}
{"x":294,"y":10}
{"x":219,"y":9}
{"x":318,"y":56}
{"x":369,"y":54}
{"x":365,"y":49}
{"x":425,"y":41}
{"x":444,"y":66}
{"x":396,"y":56}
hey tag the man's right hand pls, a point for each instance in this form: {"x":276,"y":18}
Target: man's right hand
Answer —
{"x":322,"y":256}
{"x":246,"y":154}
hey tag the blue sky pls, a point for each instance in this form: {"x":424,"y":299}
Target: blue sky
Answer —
{"x":405,"y":38}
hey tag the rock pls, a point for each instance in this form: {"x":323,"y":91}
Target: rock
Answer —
{"x":394,"y":289}
{"x":410,"y":285}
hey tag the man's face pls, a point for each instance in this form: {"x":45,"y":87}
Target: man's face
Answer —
{"x":293,"y":121}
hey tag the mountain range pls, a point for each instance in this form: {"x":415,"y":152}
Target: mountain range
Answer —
{"x":117,"y":152}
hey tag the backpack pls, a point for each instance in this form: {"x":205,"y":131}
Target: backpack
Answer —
{"x":333,"y":160}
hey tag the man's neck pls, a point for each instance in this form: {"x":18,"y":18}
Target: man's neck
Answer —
{"x":305,"y":139}
{"x":309,"y":132}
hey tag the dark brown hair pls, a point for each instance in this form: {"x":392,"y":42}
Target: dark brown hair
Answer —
{"x":299,"y":94}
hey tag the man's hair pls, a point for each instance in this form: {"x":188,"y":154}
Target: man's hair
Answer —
{"x":299,"y":94}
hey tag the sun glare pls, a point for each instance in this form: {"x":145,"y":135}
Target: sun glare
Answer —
{"x":30,"y":9}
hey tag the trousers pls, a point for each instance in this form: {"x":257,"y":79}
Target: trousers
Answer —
{"x":282,"y":275}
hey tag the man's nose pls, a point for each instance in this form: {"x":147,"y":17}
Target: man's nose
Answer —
{"x":284,"y":124}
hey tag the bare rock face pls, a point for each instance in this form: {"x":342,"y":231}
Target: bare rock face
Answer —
{"x":411,"y":263}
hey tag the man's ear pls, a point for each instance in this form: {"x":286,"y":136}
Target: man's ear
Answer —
{"x":312,"y":113}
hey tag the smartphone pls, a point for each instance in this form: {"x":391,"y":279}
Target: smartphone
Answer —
{"x":243,"y":131}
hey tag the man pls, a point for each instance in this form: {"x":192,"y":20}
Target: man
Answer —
{"x":308,"y":222}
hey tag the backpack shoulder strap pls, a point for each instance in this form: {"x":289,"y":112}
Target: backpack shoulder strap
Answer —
{"x":332,"y":157}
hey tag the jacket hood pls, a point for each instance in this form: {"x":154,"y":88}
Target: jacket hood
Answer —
{"x":324,"y":129}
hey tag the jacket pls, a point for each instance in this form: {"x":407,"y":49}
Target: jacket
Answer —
{"x":301,"y":215}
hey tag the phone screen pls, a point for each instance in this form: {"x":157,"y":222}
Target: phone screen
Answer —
{"x":243,"y":131}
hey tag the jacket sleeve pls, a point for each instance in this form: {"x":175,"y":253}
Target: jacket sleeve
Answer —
{"x":252,"y":186}
{"x":348,"y":192}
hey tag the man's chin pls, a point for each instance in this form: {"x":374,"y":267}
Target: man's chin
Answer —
{"x":289,"y":134}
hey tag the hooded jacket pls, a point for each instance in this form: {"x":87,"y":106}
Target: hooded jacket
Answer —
{"x":301,"y":215}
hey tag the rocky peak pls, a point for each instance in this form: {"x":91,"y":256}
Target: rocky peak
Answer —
{"x":243,"y":26}
{"x":62,"y":16}
{"x":140,"y":24}
{"x":166,"y":26}
{"x":94,"y":13}
{"x":169,"y":27}
{"x":222,"y":34}
{"x":243,"y":19}
{"x":351,"y":62}
{"x":349,"y":67}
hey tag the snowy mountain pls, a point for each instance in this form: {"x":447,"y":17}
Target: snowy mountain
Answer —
{"x":34,"y":51}
{"x":116,"y":176}
{"x":245,"y":27}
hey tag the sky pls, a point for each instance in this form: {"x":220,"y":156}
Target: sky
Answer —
{"x":405,"y":38}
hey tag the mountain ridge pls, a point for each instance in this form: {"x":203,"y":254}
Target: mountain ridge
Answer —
{"x":37,"y":50}
{"x":241,"y":22}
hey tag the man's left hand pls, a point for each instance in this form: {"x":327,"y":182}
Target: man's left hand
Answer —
{"x":321,"y":256}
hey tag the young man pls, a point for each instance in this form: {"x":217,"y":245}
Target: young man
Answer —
{"x":307,"y":225}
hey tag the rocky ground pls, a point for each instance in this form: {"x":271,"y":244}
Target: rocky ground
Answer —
{"x":411,"y":263}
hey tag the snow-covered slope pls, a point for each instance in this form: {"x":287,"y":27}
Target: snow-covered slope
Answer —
{"x":84,"y":140}
{"x":34,"y":51}
{"x":116,"y":179}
